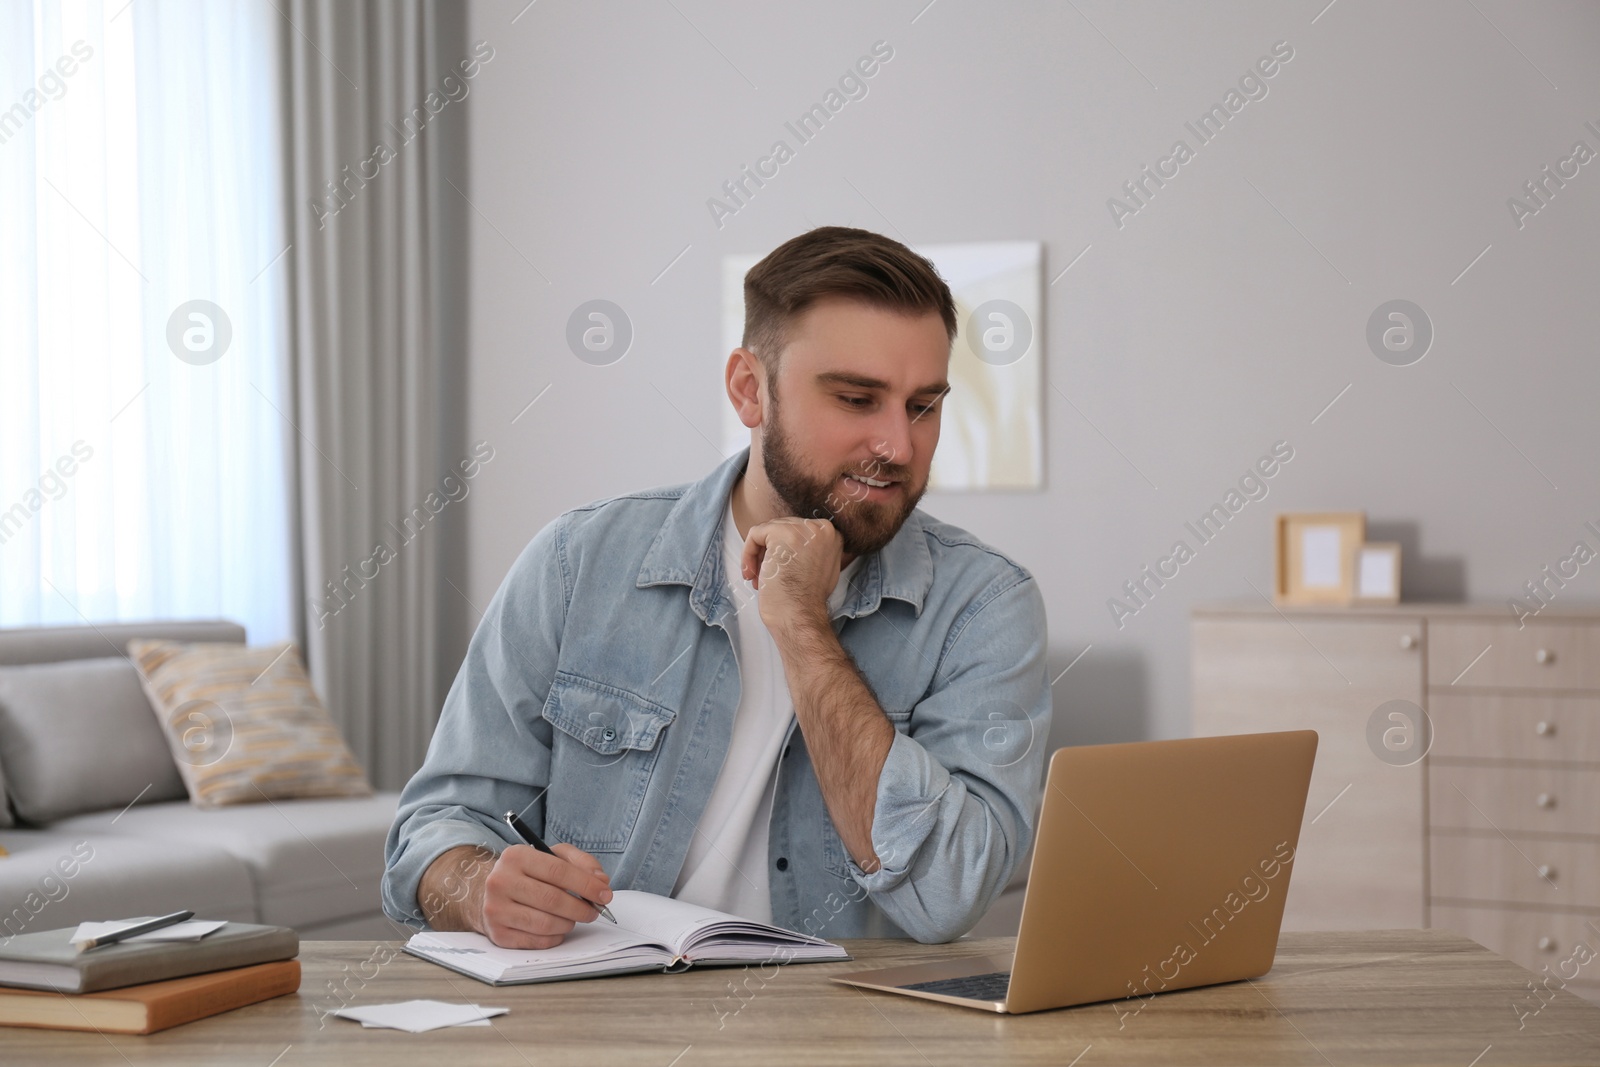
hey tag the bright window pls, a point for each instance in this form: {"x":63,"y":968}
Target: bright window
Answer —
{"x":145,"y":441}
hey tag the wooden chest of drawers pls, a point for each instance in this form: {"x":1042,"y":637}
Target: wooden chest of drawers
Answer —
{"x":1494,"y":829}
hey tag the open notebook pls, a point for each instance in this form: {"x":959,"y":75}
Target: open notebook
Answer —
{"x":653,"y":933}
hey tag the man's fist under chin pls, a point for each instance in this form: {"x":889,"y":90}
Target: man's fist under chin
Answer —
{"x":795,"y":564}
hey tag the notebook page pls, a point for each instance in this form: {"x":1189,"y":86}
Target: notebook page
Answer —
{"x":587,"y":944}
{"x":672,"y":922}
{"x":679,"y":924}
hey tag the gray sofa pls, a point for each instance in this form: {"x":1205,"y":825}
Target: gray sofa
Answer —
{"x":98,"y":825}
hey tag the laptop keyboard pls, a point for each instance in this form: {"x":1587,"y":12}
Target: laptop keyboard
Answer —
{"x":974,"y":986}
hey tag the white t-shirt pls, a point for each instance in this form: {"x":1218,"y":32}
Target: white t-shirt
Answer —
{"x":726,"y":868}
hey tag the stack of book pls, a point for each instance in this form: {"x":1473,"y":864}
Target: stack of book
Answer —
{"x":139,"y":987}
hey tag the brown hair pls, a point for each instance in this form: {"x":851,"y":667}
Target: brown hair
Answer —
{"x":836,"y":261}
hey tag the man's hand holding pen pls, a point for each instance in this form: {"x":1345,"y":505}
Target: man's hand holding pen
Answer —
{"x":522,"y":898}
{"x":531,"y":899}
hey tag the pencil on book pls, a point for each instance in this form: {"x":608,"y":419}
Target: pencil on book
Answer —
{"x":161,"y":922}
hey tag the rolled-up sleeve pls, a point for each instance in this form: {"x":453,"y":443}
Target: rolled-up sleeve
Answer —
{"x":490,"y":752}
{"x":960,"y":789}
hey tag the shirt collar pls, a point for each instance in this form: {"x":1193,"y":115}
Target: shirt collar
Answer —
{"x":688,"y":551}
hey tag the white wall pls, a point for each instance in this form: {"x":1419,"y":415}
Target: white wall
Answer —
{"x":1221,"y":318}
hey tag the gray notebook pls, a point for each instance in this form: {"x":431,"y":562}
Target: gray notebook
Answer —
{"x":47,"y":960}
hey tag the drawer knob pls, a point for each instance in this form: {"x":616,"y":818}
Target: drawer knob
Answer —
{"x":1545,"y":729}
{"x":1547,"y":944}
{"x":1408,"y":640}
{"x":1545,"y":800}
{"x":1544,"y":655}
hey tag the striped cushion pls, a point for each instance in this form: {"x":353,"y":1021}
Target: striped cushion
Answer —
{"x":244,"y":724}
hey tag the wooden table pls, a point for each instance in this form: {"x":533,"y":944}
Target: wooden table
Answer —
{"x":1389,"y":997}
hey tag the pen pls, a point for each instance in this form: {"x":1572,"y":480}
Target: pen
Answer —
{"x":526,"y":833}
{"x":130,"y":931}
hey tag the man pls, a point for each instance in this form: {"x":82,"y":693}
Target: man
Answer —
{"x":780,"y":691}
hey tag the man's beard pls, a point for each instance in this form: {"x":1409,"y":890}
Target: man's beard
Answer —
{"x":864,"y":526}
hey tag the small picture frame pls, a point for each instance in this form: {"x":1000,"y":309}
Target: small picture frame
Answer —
{"x":1316,"y":556}
{"x":1378,"y":573}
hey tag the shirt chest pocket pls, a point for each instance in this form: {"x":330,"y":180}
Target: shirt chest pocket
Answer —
{"x":603,"y":752}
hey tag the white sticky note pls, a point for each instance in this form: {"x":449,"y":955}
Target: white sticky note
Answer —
{"x":192,"y":930}
{"x":419,"y":1016}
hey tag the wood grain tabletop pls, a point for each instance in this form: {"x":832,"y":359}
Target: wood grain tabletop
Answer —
{"x":1355,"y":997}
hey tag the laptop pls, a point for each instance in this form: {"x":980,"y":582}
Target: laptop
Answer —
{"x":1158,"y":865}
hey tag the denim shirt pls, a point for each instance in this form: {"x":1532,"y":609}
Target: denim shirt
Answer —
{"x":598,"y":694}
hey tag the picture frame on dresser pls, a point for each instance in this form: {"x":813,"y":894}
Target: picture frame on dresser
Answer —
{"x":1316,"y":555}
{"x":1378,"y":573}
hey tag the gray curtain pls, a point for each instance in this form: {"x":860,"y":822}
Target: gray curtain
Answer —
{"x":378,"y":261}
